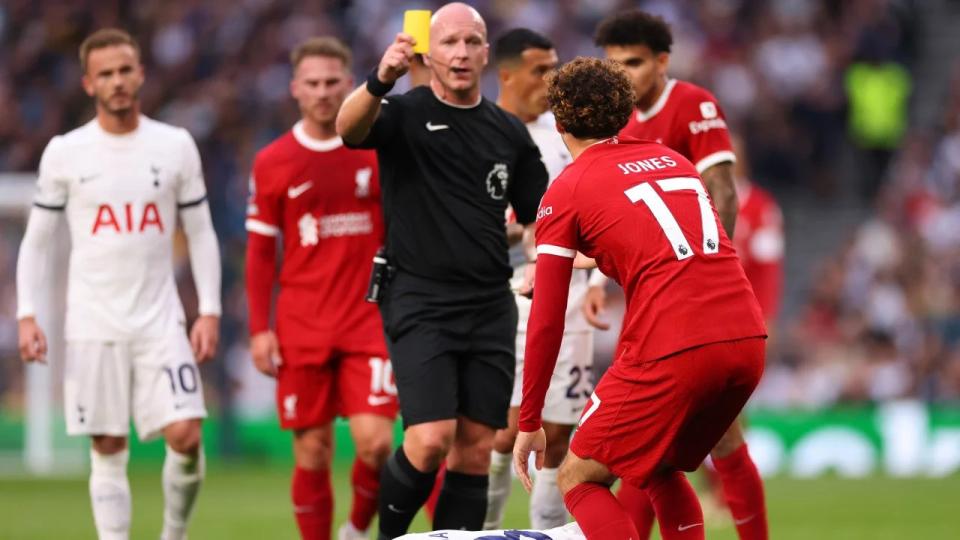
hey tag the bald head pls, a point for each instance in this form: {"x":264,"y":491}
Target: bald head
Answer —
{"x":458,"y":53}
{"x":458,"y":15}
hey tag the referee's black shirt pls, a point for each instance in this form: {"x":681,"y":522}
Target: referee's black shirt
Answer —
{"x":447,"y":174}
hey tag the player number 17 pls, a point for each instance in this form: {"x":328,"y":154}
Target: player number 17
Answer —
{"x":681,"y":247}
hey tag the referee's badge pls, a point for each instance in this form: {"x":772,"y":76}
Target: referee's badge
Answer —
{"x":497,"y":181}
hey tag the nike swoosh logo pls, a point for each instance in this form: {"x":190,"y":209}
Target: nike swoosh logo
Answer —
{"x":682,"y":528}
{"x":744,"y":520}
{"x":436,"y":127}
{"x":85,"y":179}
{"x":297,"y":191}
{"x":376,"y":401}
{"x":394,"y":509}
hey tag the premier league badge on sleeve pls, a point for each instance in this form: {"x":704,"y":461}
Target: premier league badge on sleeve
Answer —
{"x":497,"y":181}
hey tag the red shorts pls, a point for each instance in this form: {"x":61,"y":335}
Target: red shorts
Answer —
{"x":312,"y":392}
{"x":669,"y":412}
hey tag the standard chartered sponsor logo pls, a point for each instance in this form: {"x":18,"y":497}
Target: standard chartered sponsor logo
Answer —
{"x":332,"y":226}
{"x":350,"y":224}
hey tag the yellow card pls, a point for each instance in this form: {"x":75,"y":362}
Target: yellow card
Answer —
{"x":416,"y":22}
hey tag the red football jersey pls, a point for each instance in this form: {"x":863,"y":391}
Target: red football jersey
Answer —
{"x":759,"y":242}
{"x":324,"y":199}
{"x":641,"y":211}
{"x":687,"y":119}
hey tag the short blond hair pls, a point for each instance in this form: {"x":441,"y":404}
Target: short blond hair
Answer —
{"x":327,"y":46}
{"x":105,"y":37}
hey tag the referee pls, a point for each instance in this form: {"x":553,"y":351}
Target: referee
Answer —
{"x":450,"y":163}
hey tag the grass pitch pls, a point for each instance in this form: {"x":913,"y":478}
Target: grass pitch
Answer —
{"x":241,"y":502}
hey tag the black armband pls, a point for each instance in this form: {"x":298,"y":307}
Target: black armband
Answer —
{"x":377,"y":87}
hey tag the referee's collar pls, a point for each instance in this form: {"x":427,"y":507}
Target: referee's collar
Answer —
{"x":454,"y":105}
{"x":310,"y":143}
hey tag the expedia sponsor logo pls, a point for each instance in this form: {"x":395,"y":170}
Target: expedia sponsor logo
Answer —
{"x":544,"y":212}
{"x":702,"y":126}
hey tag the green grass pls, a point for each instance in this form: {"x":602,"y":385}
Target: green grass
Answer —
{"x":240,"y":502}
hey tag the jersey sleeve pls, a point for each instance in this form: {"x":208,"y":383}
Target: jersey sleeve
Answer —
{"x":52,"y":184}
{"x":557,"y":222}
{"x":531,"y":181}
{"x":386,"y":127}
{"x":709,"y":139}
{"x":556,"y":249}
{"x":263,"y":204}
{"x":192,"y":190}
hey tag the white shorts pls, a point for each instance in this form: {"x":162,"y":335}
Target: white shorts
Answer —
{"x":572,"y":380}
{"x":156,"y":381}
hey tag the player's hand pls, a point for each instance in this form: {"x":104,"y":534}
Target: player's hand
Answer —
{"x":265,"y":350}
{"x":33,"y":344}
{"x":594,"y":307}
{"x":528,"y":441}
{"x":204,"y":337}
{"x":529,"y":273}
{"x":396,"y":60}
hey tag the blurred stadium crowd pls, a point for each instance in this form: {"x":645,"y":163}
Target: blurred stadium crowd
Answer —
{"x":807,"y":84}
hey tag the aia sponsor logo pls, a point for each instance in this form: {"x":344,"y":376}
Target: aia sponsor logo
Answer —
{"x":544,"y":212}
{"x":127,"y":219}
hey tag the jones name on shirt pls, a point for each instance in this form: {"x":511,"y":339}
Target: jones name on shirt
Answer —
{"x":647,"y":165}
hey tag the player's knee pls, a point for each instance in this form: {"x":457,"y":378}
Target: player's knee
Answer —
{"x":426,"y":448}
{"x":107,"y":445}
{"x":729,"y":443}
{"x":313,"y":448}
{"x":504,"y":440}
{"x":556,"y":451}
{"x":184,"y":437}
{"x":471,"y":457}
{"x":374,"y":451}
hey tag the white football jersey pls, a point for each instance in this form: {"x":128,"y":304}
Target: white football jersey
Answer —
{"x":570,"y":531}
{"x":121,"y":195}
{"x":556,"y":157}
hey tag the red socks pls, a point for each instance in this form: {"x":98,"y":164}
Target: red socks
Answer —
{"x":599,"y":513}
{"x":675,"y":502}
{"x":743,"y":491}
{"x":366,"y":488}
{"x":430,"y":507}
{"x":312,"y":503}
{"x":637,"y":504}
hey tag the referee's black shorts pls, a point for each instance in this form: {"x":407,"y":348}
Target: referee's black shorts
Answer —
{"x":452,"y":348}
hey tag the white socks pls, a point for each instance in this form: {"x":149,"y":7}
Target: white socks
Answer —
{"x":110,"y":494}
{"x":499,"y":489}
{"x":546,"y":503}
{"x":182,"y":476}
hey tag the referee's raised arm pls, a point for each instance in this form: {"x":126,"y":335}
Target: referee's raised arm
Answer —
{"x":361,"y":107}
